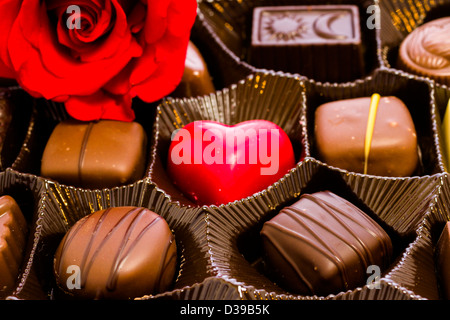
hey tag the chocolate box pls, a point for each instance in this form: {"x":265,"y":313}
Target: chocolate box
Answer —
{"x":220,"y":255}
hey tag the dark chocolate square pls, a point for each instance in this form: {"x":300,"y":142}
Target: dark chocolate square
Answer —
{"x":321,"y":42}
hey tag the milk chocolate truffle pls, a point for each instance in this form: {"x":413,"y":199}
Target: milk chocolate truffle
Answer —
{"x":340,"y":131}
{"x":322,"y":245}
{"x":443,"y":261}
{"x":425,"y":51}
{"x":322,"y":42}
{"x":196,"y":80}
{"x":100,"y":154}
{"x":116,"y":253}
{"x":13,"y":232}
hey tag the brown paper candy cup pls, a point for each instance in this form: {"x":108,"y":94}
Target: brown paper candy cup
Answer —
{"x":416,"y":93}
{"x":442,"y":97}
{"x":235,"y":243}
{"x":226,"y":27}
{"x":211,"y":289}
{"x":398,"y":20}
{"x":47,"y":114}
{"x":61,"y":206}
{"x":17,"y":121}
{"x":419,"y":95}
{"x":267,"y":95}
{"x":417,"y":268}
{"x":29,"y":193}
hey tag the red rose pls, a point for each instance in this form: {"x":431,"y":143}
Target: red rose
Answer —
{"x":116,"y":50}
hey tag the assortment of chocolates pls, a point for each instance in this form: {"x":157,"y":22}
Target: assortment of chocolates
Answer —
{"x":301,"y":153}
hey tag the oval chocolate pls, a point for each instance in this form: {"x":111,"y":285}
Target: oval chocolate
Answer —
{"x":116,"y":253}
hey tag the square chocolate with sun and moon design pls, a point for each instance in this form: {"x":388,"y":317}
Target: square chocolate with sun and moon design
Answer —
{"x":322,"y":42}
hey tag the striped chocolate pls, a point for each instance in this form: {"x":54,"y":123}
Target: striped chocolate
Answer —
{"x":116,"y":253}
{"x":323,"y":244}
{"x":13,"y":231}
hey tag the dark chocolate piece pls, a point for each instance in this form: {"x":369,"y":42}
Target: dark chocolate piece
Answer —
{"x":425,"y":51}
{"x":196,"y":79}
{"x":93,"y":155}
{"x":322,"y":42}
{"x":13,"y":232}
{"x":119,"y":253}
{"x":340,"y":131}
{"x":443,"y":261}
{"x":323,"y":244}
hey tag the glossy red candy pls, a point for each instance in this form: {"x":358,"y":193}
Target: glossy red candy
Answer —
{"x":213,"y":163}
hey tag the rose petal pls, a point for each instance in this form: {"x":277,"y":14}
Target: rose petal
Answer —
{"x":156,"y":22}
{"x":100,"y":105}
{"x":136,"y":19}
{"x":80,"y":40}
{"x":168,"y":74}
{"x":119,"y":37}
{"x":87,"y":46}
{"x":46,"y":67}
{"x":180,"y":23}
{"x":99,"y":26}
{"x":165,"y":58}
{"x":9,"y":10}
{"x":144,"y":66}
{"x":120,"y":84}
{"x":6,"y":72}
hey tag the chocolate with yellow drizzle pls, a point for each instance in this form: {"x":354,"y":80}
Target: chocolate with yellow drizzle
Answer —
{"x":341,"y":128}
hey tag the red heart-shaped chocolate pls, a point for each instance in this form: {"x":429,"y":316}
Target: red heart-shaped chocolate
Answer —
{"x":214,"y":164}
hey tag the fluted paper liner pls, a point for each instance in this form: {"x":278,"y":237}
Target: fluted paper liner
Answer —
{"x":400,"y":18}
{"x":232,"y":229}
{"x":236,"y":249}
{"x":60,"y":206}
{"x":46,"y":114}
{"x":442,"y":97}
{"x":417,"y":269}
{"x":225,"y":28}
{"x":419,"y":96}
{"x":211,"y":289}
{"x":28,"y":191}
{"x":19,"y":140}
{"x":416,"y":93}
{"x":267,"y":95}
{"x":220,"y":254}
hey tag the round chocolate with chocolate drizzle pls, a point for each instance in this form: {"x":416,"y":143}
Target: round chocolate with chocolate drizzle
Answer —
{"x":323,"y":244}
{"x":426,"y":51}
{"x":116,"y":253}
